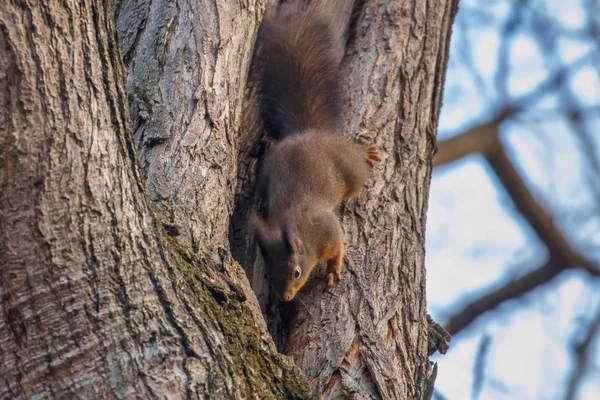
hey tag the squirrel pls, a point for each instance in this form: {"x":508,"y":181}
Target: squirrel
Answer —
{"x":311,"y":168}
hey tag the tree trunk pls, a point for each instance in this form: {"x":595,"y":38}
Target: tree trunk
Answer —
{"x":96,"y":301}
{"x":116,"y":283}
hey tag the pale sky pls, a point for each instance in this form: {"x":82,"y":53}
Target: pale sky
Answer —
{"x":476,"y":240}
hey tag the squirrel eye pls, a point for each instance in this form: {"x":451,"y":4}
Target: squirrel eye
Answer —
{"x":297,"y":273}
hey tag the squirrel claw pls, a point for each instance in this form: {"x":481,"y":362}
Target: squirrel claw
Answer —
{"x":331,"y":278}
{"x":372,"y":155}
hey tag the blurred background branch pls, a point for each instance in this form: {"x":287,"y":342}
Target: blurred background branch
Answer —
{"x":582,"y":350}
{"x":518,"y":177}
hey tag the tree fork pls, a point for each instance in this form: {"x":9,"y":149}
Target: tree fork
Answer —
{"x":119,"y":284}
{"x":97,"y":301}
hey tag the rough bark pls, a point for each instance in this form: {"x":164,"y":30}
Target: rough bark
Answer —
{"x":369,"y":335}
{"x":97,"y":300}
{"x":187,"y":64}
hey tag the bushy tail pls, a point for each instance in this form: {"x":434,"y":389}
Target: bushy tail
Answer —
{"x":300,"y":78}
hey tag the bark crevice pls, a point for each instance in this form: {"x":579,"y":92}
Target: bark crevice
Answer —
{"x":123,"y":282}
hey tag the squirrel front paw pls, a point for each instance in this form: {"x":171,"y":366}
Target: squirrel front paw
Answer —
{"x":372,"y":155}
{"x":334,"y":267}
{"x":331,"y":278}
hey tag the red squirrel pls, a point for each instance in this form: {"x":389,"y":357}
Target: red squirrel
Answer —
{"x":311,"y":168}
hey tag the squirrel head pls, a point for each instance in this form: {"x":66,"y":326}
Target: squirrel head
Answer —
{"x":287,"y":262}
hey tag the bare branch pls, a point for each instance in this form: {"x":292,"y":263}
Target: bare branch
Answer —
{"x":484,"y":139}
{"x":508,"y":31}
{"x":494,"y":298}
{"x":479,"y":365}
{"x":582,"y":354}
{"x":480,"y":139}
{"x":534,"y":213}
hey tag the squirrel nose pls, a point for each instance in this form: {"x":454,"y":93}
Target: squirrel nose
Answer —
{"x":287,"y":296}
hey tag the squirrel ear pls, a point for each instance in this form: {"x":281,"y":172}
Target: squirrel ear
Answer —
{"x":290,"y":235}
{"x":292,"y":242}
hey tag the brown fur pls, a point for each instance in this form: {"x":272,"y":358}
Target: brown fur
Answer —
{"x":300,"y":79}
{"x":312,"y":168}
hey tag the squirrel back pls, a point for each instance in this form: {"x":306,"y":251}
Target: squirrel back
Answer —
{"x":312,"y":168}
{"x":300,"y":78}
